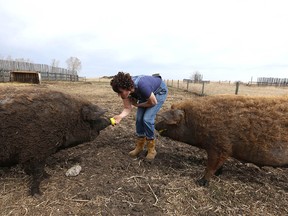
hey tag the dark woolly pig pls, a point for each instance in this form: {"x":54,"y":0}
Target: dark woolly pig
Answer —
{"x":250,"y":129}
{"x":36,"y":122}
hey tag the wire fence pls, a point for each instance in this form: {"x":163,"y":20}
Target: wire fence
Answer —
{"x":215,"y":88}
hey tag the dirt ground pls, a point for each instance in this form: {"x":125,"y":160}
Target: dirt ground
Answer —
{"x":111,"y":183}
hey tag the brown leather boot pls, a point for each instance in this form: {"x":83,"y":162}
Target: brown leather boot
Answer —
{"x":139,"y":146}
{"x":151,"y":150}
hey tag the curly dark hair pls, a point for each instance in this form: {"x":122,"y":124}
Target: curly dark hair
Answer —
{"x":122,"y":80}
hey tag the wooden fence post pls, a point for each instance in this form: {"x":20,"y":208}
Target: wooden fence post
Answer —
{"x":202,"y":88}
{"x":237,"y":87}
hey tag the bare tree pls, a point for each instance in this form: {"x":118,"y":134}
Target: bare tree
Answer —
{"x":9,"y":58}
{"x":197,"y":77}
{"x":23,"y":60}
{"x":74,"y":64}
{"x":55,"y":63}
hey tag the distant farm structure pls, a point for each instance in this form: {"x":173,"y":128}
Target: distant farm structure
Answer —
{"x":15,"y":71}
{"x":271,"y":81}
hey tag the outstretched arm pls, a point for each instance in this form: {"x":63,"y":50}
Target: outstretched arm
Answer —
{"x":127,"y":109}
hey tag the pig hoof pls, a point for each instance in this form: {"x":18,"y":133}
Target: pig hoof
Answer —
{"x":219,"y":171}
{"x":203,"y":182}
{"x":35,"y":192}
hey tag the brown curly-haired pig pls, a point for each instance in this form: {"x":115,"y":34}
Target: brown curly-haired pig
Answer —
{"x":36,"y":122}
{"x":250,"y":129}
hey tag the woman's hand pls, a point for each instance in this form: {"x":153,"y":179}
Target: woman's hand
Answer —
{"x":133,"y":101}
{"x":117,"y":118}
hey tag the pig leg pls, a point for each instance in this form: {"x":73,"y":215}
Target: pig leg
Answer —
{"x":28,"y":170}
{"x":36,"y":170}
{"x":214,"y":166}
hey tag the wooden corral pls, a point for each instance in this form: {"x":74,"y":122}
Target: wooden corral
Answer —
{"x":15,"y":71}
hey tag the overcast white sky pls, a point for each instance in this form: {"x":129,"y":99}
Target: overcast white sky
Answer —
{"x":222,"y":40}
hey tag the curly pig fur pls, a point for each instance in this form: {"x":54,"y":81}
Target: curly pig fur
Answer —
{"x":250,"y":129}
{"x":36,"y":122}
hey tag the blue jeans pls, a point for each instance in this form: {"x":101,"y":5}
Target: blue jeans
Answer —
{"x":145,"y":117}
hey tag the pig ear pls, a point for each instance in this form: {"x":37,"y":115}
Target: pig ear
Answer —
{"x":173,"y":116}
{"x":92,"y":112}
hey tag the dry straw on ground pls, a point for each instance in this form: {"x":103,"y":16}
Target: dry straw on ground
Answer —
{"x":111,"y":183}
